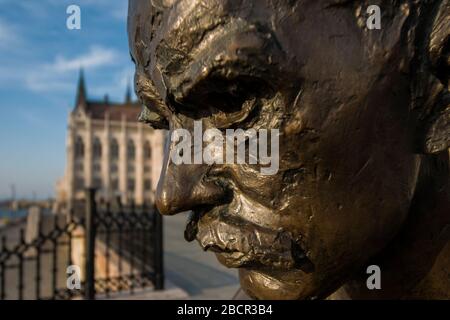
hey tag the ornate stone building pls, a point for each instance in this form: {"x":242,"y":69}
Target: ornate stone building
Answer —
{"x":108,"y":149}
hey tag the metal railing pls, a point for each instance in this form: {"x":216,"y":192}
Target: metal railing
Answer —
{"x":122,"y":251}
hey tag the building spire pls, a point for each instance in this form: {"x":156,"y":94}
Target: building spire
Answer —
{"x":128,"y":93}
{"x":81,"y":91}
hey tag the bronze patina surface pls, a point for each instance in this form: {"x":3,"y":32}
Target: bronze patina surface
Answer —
{"x":364,"y":130}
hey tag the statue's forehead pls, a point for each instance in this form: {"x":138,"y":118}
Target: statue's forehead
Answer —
{"x":167,"y":32}
{"x":179,"y":22}
{"x":146,"y":14}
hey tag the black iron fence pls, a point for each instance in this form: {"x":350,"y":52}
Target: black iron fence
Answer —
{"x":118,"y":249}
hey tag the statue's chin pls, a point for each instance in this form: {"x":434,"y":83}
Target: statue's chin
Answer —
{"x":267,"y":285}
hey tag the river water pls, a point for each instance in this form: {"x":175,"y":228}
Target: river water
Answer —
{"x":11,"y":214}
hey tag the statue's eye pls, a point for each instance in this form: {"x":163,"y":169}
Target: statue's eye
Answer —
{"x":227,"y":102}
{"x":227,"y":95}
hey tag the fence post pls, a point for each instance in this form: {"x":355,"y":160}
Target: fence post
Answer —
{"x":89,"y":267}
{"x":158,"y":250}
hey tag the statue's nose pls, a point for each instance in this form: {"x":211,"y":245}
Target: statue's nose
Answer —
{"x":184,"y":187}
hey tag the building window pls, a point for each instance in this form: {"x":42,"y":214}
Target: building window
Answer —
{"x":146,"y":168}
{"x":79,"y":147}
{"x":97,"y":148}
{"x":97,"y":167}
{"x":97,"y":183}
{"x":113,"y":168}
{"x":131,"y":150}
{"x":115,"y":184}
{"x":131,"y":185}
{"x":114,"y":149}
{"x":79,"y":183}
{"x":148,"y":184}
{"x":147,"y":150}
{"x":79,"y":167}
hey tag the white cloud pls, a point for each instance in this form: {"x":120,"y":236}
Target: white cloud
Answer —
{"x":58,"y":75}
{"x":9,"y":36}
{"x":96,"y":57}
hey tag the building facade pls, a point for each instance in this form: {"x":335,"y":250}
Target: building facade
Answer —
{"x":107,"y":148}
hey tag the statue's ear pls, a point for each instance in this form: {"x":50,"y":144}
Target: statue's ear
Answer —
{"x":435,"y":133}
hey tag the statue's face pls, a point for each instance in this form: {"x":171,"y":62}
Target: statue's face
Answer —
{"x":340,"y":98}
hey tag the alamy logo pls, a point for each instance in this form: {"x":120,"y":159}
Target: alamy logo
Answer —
{"x":74,"y":278}
{"x":374,"y":20}
{"x":374,"y":280}
{"x":73,"y":21}
{"x":228,"y":148}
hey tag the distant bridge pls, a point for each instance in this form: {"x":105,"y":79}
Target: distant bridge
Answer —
{"x":25,"y":204}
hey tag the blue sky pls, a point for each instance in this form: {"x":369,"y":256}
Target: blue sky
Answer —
{"x":39,"y":63}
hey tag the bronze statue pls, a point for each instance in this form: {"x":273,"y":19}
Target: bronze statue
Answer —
{"x":363,"y":117}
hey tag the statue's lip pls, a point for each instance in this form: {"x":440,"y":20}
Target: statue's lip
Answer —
{"x":239,"y":243}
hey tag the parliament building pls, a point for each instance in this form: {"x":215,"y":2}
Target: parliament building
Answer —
{"x":108,"y":149}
